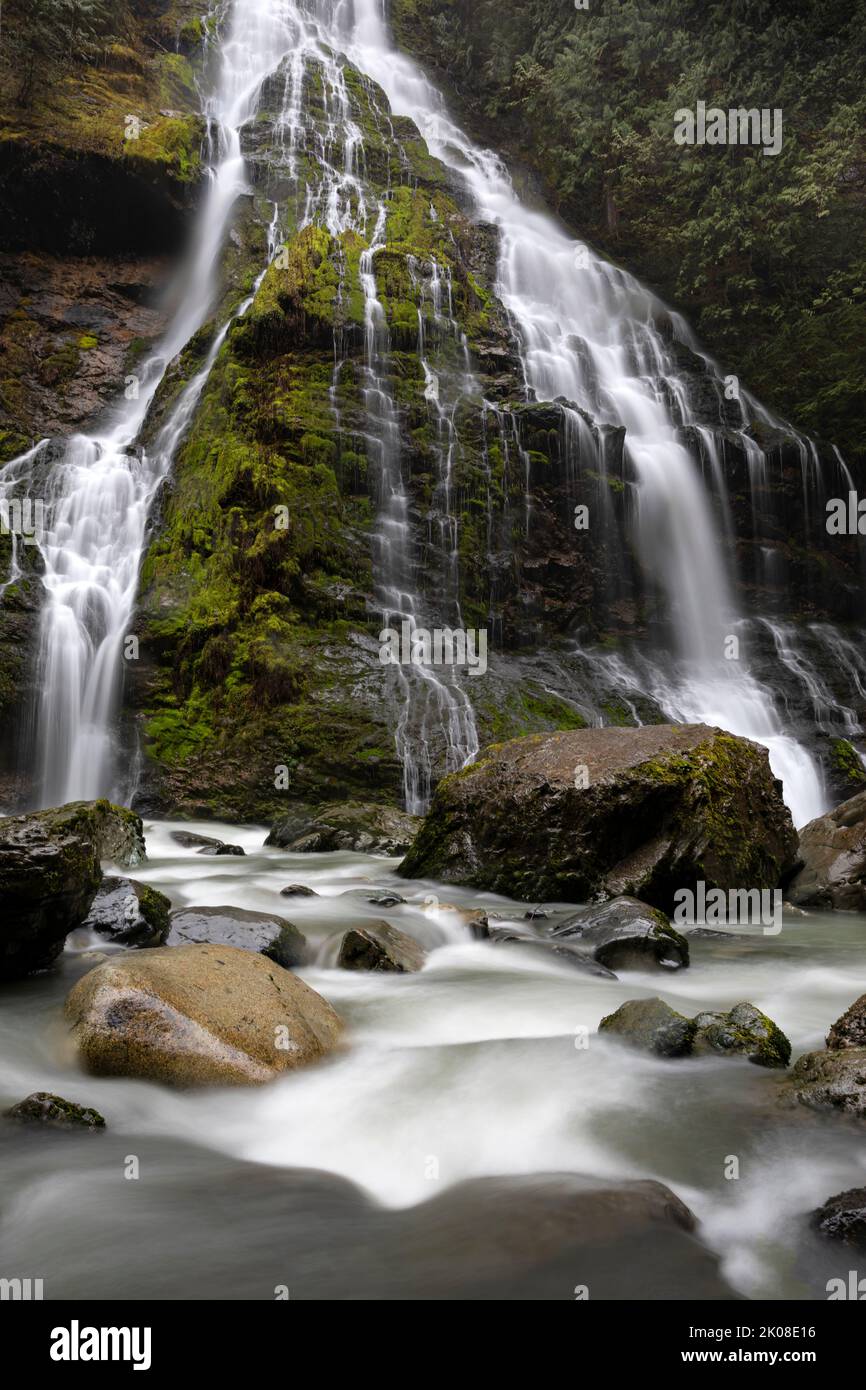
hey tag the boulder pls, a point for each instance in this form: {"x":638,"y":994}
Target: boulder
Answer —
{"x":651,"y":1025}
{"x":190,"y":839}
{"x":829,"y":1081}
{"x":198,"y":1016}
{"x":297,"y":890}
{"x":130,"y":913}
{"x":625,"y":934}
{"x":569,"y":955}
{"x":379,"y":897}
{"x":611,"y":811}
{"x":42,"y":1108}
{"x":265,"y":932}
{"x":742,"y":1031}
{"x":222,"y":850}
{"x":843,"y":1218}
{"x":833,"y":851}
{"x":850,"y":1029}
{"x":380,"y":947}
{"x":353,"y":826}
{"x":49,"y":874}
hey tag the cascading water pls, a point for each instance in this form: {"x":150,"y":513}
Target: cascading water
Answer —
{"x":588,"y":336}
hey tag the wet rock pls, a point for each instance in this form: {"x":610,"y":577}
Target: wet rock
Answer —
{"x":743,"y":1031}
{"x":265,"y":932}
{"x":351,"y":826}
{"x":380,"y":947}
{"x":130,"y":913}
{"x":843,"y":1218}
{"x":479,"y":928}
{"x":189,"y":839}
{"x":198,"y":1016}
{"x":379,"y":897}
{"x":43,"y":1108}
{"x":611,"y":811}
{"x":50,"y":872}
{"x":833,"y":851}
{"x":625,"y":934}
{"x":850,"y":1029}
{"x":829,"y":1081}
{"x":297,"y":890}
{"x":222,"y":849}
{"x":570,"y":955}
{"x":651,"y":1025}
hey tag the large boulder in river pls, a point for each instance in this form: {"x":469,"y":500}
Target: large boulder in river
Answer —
{"x":829,"y":1081}
{"x":273,"y":936}
{"x":850,"y":1029}
{"x":742,"y":1032}
{"x":833,"y":851}
{"x":49,"y":874}
{"x":625,"y":934}
{"x":198,"y":1016}
{"x":378,"y":946}
{"x":357,"y":827}
{"x":591,"y":813}
{"x":843,"y":1218}
{"x":129,"y":913}
{"x":652,"y":1026}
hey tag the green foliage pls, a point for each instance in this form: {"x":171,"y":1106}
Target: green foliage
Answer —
{"x":49,"y":30}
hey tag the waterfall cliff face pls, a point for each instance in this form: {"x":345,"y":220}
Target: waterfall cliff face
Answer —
{"x":392,"y":397}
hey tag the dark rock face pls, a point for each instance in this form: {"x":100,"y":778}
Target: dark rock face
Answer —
{"x":380,"y":947}
{"x":833,"y":850}
{"x":50,"y":872}
{"x":625,"y":934}
{"x":42,"y":1108}
{"x":850,"y":1029}
{"x":270,"y":935}
{"x":130,"y":913}
{"x":351,"y":826}
{"x":610,"y":811}
{"x":744,"y":1030}
{"x":574,"y":956}
{"x":843,"y":1218}
{"x":198,"y":1016}
{"x":651,"y":1025}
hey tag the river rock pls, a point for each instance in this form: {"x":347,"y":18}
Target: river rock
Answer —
{"x":379,"y":897}
{"x":850,"y":1029}
{"x":265,"y":932}
{"x":843,"y":1218}
{"x":350,"y":826}
{"x":190,"y":839}
{"x":610,"y":811}
{"x":43,"y":1108}
{"x":297,"y":890}
{"x":829,"y":1081}
{"x":218,"y":850}
{"x":742,"y":1031}
{"x":198,"y":1016}
{"x":833,"y":851}
{"x":625,"y":934}
{"x":651,"y":1025}
{"x":130,"y":913}
{"x":378,"y":946}
{"x":49,"y":874}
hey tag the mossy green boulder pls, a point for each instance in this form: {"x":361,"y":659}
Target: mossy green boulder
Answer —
{"x":742,"y":1031}
{"x":651,"y":1025}
{"x":50,"y":872}
{"x":43,"y":1108}
{"x":598,"y":813}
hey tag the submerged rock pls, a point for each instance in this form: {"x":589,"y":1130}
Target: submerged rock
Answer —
{"x":745,"y":1031}
{"x":50,"y":872}
{"x":570,"y":955}
{"x":351,"y":826}
{"x":829,"y":1081}
{"x":610,"y":811}
{"x":130,"y":913}
{"x":198,"y":1016}
{"x":190,"y":839}
{"x":833,"y":851}
{"x":297,"y":890}
{"x":379,"y":946}
{"x":850,"y":1029}
{"x":222,"y":850}
{"x":843,"y":1218}
{"x":265,"y":932}
{"x":43,"y":1108}
{"x":379,"y":897}
{"x":625,"y":934}
{"x":651,"y":1025}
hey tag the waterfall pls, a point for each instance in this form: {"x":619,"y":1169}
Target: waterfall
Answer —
{"x":588,"y":336}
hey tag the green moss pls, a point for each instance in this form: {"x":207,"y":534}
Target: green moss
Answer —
{"x":172,"y":144}
{"x":87,"y":341}
{"x":846,"y":760}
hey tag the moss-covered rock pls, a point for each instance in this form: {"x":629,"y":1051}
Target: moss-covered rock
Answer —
{"x":130,"y":913}
{"x":742,"y":1031}
{"x":652,"y":1026}
{"x":43,"y":1108}
{"x":833,"y":855}
{"x":643,"y":811}
{"x":358,"y":827}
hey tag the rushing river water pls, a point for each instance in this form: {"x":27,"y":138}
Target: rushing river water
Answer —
{"x":471,"y":1069}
